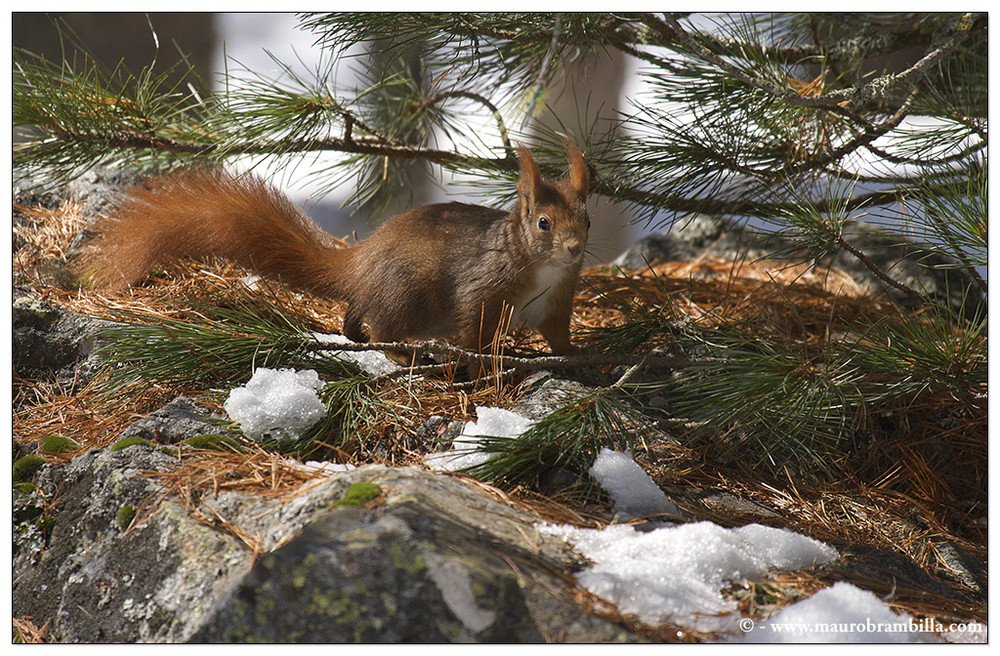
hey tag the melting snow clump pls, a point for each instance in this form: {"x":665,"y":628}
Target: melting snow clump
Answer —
{"x":676,"y":572}
{"x":633,"y":493}
{"x":278,"y":404}
{"x":492,"y":422}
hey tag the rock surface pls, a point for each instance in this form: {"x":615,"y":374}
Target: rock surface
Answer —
{"x":51,"y":341}
{"x":173,"y":423}
{"x":431,"y":560}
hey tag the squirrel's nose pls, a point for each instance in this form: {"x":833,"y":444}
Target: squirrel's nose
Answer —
{"x":573,"y":253}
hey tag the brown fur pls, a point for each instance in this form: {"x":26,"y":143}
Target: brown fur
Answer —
{"x":440,"y":271}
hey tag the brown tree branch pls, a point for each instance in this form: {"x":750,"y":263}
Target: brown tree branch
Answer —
{"x":521,"y":363}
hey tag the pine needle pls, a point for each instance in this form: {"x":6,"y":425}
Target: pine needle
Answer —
{"x":223,"y":341}
{"x":567,"y":439}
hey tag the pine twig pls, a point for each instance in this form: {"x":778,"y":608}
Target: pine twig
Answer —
{"x":520,"y":363}
{"x":433,"y":100}
{"x":877,"y":88}
{"x":871,"y":266}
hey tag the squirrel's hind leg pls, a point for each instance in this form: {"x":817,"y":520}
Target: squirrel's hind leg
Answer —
{"x":353,"y":326}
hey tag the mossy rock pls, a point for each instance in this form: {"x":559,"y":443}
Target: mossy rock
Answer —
{"x":25,"y":508}
{"x":359,"y":494}
{"x":25,"y":468}
{"x":58,"y":444}
{"x":45,"y":525}
{"x":125,"y":516}
{"x":126,"y":442}
{"x":213,"y":442}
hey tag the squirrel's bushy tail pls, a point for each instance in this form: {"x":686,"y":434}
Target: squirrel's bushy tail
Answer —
{"x":207,"y":213}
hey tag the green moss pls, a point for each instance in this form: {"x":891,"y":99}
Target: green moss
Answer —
{"x":45,"y":525}
{"x":125,"y":516}
{"x":359,"y":494}
{"x":25,"y":488}
{"x":25,"y":468}
{"x":214,"y":443}
{"x":126,"y":442}
{"x":58,"y":444}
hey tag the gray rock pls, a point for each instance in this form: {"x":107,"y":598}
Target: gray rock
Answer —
{"x":716,"y":502}
{"x":96,"y":583}
{"x":32,"y":188}
{"x":431,"y":563}
{"x":438,"y":433}
{"x":958,"y":565}
{"x":544,"y":393}
{"x":48,"y":340}
{"x":98,"y":188}
{"x":881,"y":565}
{"x":173,"y":423}
{"x":694,"y":236}
{"x":434,"y":560}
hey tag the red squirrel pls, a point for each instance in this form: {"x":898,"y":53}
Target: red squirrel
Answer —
{"x":445,"y":271}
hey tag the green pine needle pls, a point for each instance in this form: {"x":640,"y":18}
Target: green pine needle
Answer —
{"x":353,"y":408}
{"x":567,"y":439}
{"x":224,"y":341}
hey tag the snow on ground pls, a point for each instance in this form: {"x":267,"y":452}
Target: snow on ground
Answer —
{"x":633,"y":492}
{"x":493,"y":422}
{"x":281,"y":404}
{"x":676,"y":573}
{"x":841,"y":613}
{"x":846,"y":613}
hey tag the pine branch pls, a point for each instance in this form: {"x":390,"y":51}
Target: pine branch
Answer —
{"x":210,"y":343}
{"x":565,"y":441}
{"x":708,"y":166}
{"x":480,"y":99}
{"x":869,"y":135}
{"x":877,"y":89}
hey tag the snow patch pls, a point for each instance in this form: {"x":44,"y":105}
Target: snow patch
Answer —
{"x":675,"y":573}
{"x":464,"y":451}
{"x":841,"y":613}
{"x":633,"y":493}
{"x":279,"y":404}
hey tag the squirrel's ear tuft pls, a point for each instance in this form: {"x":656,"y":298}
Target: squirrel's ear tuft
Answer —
{"x":530,"y":180}
{"x":577,"y":179}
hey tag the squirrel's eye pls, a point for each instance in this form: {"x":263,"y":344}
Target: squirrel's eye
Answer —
{"x":543,"y":223}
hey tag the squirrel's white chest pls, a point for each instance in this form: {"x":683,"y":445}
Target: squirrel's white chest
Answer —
{"x":533,"y":307}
